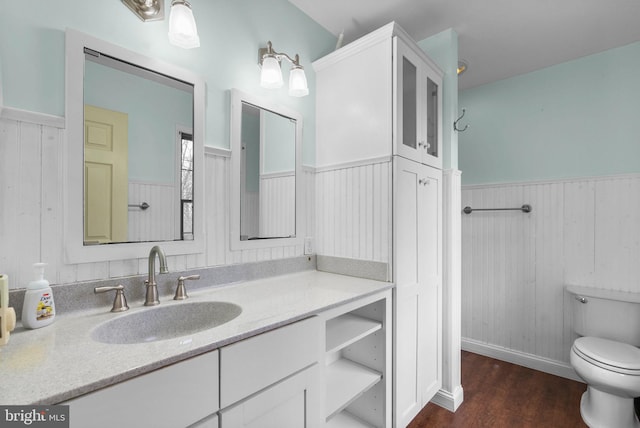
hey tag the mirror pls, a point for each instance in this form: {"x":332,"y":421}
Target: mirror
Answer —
{"x":136,"y":148}
{"x":267,"y":186}
{"x":138,"y":153}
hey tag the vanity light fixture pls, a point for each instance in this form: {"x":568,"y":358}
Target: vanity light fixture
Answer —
{"x":271,"y":74}
{"x":146,"y":10}
{"x":182,"y":26}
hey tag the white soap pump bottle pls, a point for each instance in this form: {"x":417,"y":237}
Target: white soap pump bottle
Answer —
{"x":38,"y":309}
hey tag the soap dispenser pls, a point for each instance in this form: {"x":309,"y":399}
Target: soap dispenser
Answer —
{"x":38,"y":309}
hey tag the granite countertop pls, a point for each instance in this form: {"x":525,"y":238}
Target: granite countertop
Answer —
{"x":61,"y":361}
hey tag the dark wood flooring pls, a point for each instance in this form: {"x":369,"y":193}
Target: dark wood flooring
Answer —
{"x":499,"y":394}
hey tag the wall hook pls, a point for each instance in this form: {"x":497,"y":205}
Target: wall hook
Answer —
{"x":455,"y":124}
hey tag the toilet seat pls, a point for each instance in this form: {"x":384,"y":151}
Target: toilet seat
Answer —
{"x":608,"y":354}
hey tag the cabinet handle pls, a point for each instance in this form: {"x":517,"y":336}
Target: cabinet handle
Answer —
{"x":423,"y":181}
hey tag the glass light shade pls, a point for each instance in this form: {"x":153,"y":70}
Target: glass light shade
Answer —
{"x":298,"y":82}
{"x":271,"y":74}
{"x":182,"y":26}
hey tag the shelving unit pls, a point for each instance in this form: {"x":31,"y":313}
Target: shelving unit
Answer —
{"x":356,"y":366}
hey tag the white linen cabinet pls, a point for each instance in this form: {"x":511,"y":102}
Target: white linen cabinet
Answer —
{"x":378,"y":101}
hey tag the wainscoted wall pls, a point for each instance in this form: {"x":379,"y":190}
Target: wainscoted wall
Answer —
{"x":277,"y":204}
{"x":161,"y":220}
{"x":514,"y":266}
{"x":31,"y":208}
{"x":353,"y":208}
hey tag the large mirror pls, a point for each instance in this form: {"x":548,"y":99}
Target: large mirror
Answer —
{"x":135,"y":128}
{"x":267,"y":186}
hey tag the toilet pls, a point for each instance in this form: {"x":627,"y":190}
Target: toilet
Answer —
{"x":606,"y":355}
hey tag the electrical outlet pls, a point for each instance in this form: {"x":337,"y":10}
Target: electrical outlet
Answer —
{"x":308,"y":245}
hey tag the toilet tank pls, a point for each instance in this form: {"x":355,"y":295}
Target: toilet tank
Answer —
{"x":608,"y":314}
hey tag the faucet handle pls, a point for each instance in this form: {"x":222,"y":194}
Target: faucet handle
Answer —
{"x":181,"y":291}
{"x":120,"y":301}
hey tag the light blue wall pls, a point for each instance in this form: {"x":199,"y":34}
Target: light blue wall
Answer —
{"x":280,"y":144}
{"x":32,"y":51}
{"x":575,"y":119}
{"x":443,"y":49}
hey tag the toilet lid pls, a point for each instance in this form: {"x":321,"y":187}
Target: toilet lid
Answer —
{"x":617,"y":355}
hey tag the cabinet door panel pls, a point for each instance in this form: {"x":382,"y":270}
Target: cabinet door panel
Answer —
{"x":292,"y":403}
{"x":152,"y":399}
{"x":255,"y":363}
{"x":408,"y":116}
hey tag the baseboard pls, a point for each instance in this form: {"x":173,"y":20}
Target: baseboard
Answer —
{"x":449,"y":400}
{"x":554,"y":367}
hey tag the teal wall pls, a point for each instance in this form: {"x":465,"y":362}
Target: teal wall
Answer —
{"x":32,"y":51}
{"x":443,"y":49}
{"x":279,"y":144}
{"x":575,"y":119}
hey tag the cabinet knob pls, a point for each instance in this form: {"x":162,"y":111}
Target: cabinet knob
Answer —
{"x":423,"y":181}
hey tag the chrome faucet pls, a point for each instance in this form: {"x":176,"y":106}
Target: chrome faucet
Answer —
{"x":151,"y":298}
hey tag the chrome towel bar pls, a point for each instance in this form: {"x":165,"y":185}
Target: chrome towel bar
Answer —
{"x":526,"y":208}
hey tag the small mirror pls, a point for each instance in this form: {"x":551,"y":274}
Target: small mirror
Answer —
{"x":135,"y":131}
{"x":266,"y":144}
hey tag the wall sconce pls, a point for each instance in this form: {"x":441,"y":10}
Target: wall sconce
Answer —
{"x":146,"y":10}
{"x":271,"y":74}
{"x":182,"y":26}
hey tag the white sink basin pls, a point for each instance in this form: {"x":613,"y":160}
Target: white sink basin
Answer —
{"x":165,"y":322}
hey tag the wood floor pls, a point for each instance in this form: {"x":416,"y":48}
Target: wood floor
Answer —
{"x":499,"y":394}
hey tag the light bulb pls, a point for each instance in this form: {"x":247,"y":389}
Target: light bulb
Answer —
{"x":298,"y":82}
{"x":182,"y":26}
{"x":271,"y":74}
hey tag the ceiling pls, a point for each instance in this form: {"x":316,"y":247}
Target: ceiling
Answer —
{"x":497,"y":38}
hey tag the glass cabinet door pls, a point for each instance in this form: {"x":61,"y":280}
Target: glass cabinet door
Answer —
{"x":432,"y":130}
{"x":417,"y":118}
{"x":409,"y":104}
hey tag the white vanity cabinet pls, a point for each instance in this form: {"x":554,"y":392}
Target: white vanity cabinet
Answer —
{"x":174,"y":396}
{"x":357,"y":364}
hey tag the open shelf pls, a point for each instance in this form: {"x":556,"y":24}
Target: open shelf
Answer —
{"x":346,"y":381}
{"x":346,"y":420}
{"x":347,"y":329}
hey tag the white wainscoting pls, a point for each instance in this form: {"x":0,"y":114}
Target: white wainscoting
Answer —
{"x":32,"y":150}
{"x":514,"y":265}
{"x":353,"y":209}
{"x":161,"y":220}
{"x":277,"y":204}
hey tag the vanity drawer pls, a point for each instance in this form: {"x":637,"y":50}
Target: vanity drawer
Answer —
{"x":173,"y":396}
{"x":253,"y":364}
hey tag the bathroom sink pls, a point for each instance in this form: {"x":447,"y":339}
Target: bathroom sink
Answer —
{"x":165,"y":322}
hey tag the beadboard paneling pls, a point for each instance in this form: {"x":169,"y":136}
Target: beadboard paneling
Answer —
{"x":161,"y":221}
{"x":515,"y":265}
{"x":353,"y":212}
{"x":277,"y":205}
{"x":32,"y":161}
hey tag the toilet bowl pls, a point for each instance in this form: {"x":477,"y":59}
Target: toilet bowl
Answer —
{"x":612,"y":372}
{"x":607,"y":356}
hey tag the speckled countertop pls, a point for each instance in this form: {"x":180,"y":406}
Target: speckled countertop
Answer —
{"x":61,"y":361}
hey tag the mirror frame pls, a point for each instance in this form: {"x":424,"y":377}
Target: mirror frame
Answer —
{"x":237,"y":98}
{"x":74,"y":249}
